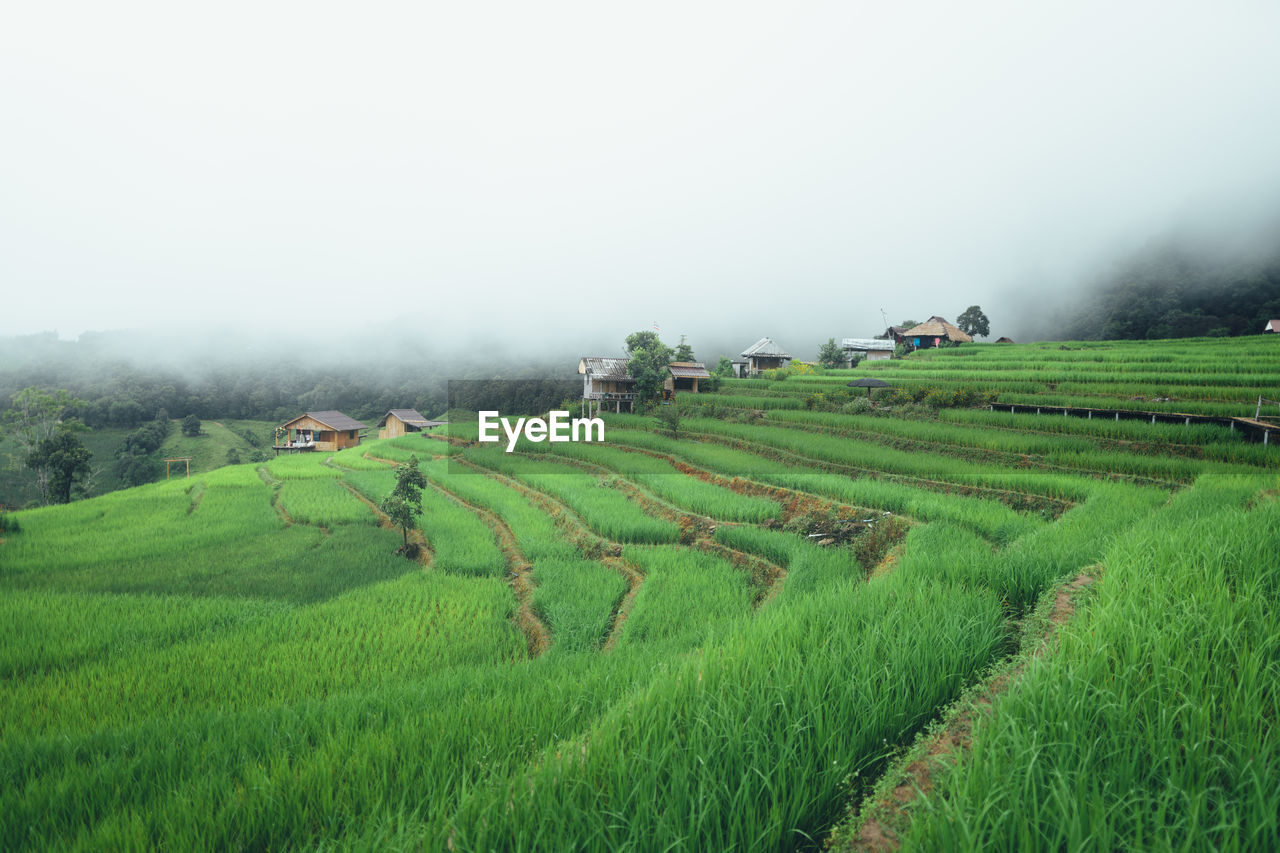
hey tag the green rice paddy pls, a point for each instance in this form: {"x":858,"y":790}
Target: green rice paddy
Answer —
{"x":718,"y":641}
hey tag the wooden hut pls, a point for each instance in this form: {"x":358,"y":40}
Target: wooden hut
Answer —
{"x":685,"y":375}
{"x":328,"y":430}
{"x":933,"y":332}
{"x":895,"y":334}
{"x":764,"y":354}
{"x":605,"y":380}
{"x":1003,"y":340}
{"x":1272,"y":326}
{"x":398,"y":422}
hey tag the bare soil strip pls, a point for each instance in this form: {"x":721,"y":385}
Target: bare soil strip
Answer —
{"x":592,"y":545}
{"x":888,"y":813}
{"x":536,"y":633}
{"x":520,"y":577}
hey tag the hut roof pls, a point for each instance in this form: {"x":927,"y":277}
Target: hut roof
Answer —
{"x":689,"y":370}
{"x":410,"y":416}
{"x":1272,"y":326}
{"x":1003,"y":340}
{"x":333,"y":419}
{"x":612,"y":368}
{"x":867,"y":344}
{"x":936,"y":327}
{"x":765,"y":348}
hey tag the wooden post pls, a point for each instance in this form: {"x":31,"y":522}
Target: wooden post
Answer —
{"x":1258,"y":413}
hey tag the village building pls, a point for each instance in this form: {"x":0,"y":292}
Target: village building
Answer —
{"x":1003,"y":340}
{"x":398,"y":422}
{"x":868,"y":349}
{"x":328,"y":430}
{"x":685,"y":375}
{"x":605,"y":381}
{"x":932,"y":333}
{"x":895,"y":334}
{"x":1272,"y":326}
{"x":763,"y":355}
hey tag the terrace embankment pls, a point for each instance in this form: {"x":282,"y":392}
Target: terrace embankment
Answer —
{"x":520,"y":577}
{"x":885,"y":813}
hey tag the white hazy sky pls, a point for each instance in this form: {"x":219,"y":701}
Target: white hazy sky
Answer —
{"x":526,"y":169}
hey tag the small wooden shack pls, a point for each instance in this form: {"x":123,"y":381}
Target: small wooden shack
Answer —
{"x":398,"y":422}
{"x":684,"y":376}
{"x":764,"y":354}
{"x":329,"y":430}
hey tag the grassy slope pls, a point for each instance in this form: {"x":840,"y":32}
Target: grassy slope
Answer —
{"x":326,"y":693}
{"x":209,"y":449}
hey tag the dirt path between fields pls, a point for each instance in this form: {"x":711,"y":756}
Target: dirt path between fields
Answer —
{"x":519,"y":569}
{"x":888,"y":813}
{"x":519,"y":576}
{"x":591,"y":544}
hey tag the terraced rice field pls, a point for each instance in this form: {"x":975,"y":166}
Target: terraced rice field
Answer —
{"x":725,"y":640}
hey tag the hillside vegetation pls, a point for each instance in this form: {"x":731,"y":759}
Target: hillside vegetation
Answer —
{"x":721,"y":640}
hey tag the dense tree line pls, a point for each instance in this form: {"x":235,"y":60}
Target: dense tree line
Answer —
{"x":1173,"y":291}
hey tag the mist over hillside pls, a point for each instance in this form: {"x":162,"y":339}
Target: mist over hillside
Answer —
{"x":1216,"y":277}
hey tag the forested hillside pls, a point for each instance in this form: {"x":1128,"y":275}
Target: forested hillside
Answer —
{"x":1175,"y":289}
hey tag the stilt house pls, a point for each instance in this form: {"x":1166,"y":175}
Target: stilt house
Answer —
{"x":330,"y":430}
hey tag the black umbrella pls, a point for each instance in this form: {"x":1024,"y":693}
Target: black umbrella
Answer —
{"x":869,"y":383}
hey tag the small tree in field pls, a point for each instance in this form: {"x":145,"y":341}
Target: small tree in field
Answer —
{"x":830,"y":355}
{"x":404,"y":504}
{"x":191,"y":425}
{"x":669,"y":415}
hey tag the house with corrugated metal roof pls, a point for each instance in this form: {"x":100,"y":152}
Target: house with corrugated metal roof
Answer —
{"x":327,"y":430}
{"x":685,"y":375}
{"x":764,"y":354}
{"x":870,"y":349}
{"x":605,"y":381}
{"x":398,"y":422}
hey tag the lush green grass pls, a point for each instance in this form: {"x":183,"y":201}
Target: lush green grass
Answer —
{"x":208,"y":450}
{"x":1152,"y":726}
{"x":685,"y":596}
{"x":184,"y":668}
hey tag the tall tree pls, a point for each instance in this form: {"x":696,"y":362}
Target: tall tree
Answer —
{"x":647,"y":363}
{"x":684,"y":352}
{"x":66,"y":460}
{"x":33,"y":417}
{"x":404,"y":504}
{"x":974,"y":322}
{"x":830,"y":355}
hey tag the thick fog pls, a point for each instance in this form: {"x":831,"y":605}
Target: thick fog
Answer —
{"x":552,"y":176}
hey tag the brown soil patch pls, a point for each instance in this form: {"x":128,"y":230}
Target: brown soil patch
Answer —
{"x":877,"y":833}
